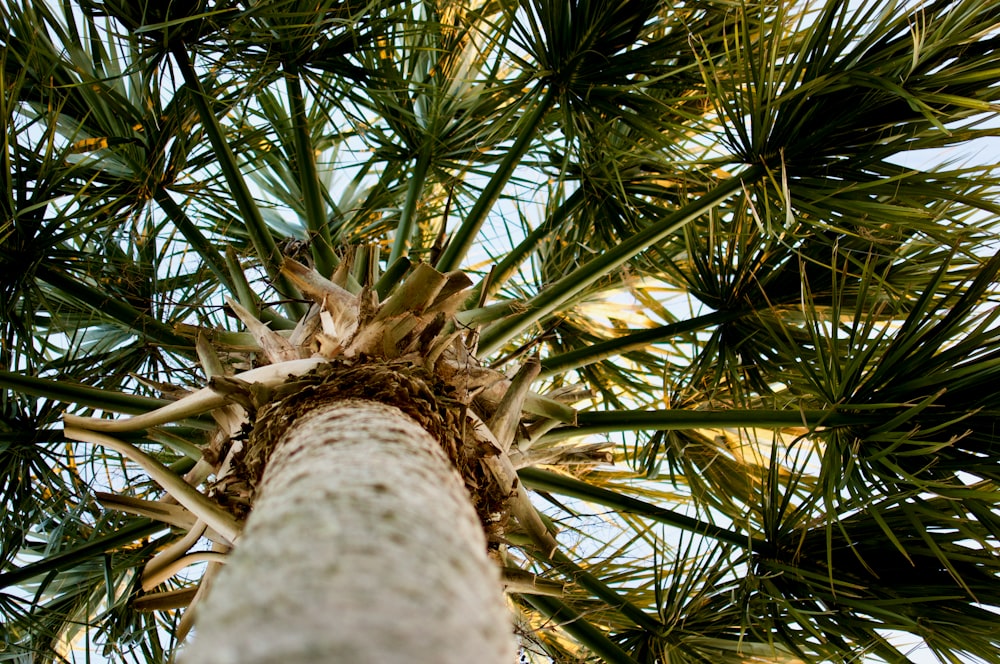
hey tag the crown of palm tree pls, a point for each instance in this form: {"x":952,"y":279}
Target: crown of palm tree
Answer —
{"x":739,"y":351}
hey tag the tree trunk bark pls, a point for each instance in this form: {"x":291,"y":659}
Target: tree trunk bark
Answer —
{"x":362,"y":547}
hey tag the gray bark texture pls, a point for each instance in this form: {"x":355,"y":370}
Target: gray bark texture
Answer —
{"x":362,"y":547}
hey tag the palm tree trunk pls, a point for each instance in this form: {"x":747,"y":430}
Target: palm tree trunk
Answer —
{"x":363,"y":546}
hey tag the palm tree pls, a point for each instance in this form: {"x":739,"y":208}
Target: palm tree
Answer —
{"x":416,"y":331}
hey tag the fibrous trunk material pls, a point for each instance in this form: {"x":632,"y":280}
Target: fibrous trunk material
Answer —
{"x":363,"y":546}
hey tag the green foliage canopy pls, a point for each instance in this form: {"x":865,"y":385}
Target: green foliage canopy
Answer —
{"x":701,"y":216}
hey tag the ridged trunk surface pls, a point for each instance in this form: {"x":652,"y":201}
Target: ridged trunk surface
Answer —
{"x":362,"y":547}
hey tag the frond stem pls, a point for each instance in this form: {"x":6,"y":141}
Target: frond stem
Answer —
{"x":407,"y":216}
{"x":576,"y":626}
{"x":582,"y":357}
{"x":320,"y":241}
{"x":463,"y":239}
{"x":257,"y":229}
{"x":544,"y":480}
{"x":556,"y":294}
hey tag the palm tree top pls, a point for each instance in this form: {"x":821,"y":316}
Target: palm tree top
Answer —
{"x":753,"y":345}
